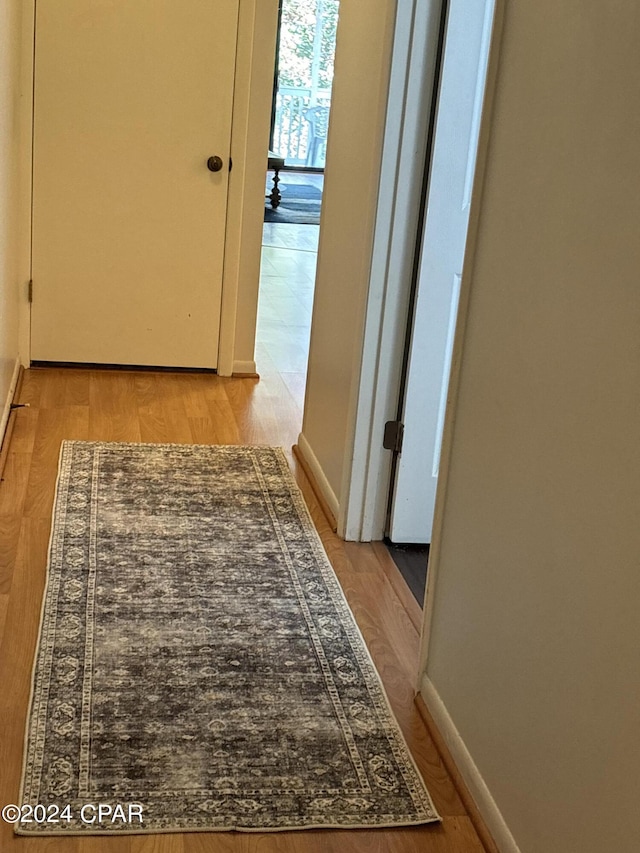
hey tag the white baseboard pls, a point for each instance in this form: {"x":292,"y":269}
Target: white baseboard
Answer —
{"x":478,"y":789}
{"x":321,"y":481}
{"x":7,"y":403}
{"x":244,"y":367}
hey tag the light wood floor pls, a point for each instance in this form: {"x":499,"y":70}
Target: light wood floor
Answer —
{"x":186,"y":408}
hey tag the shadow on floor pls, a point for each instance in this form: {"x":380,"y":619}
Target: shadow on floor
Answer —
{"x":412,"y":562}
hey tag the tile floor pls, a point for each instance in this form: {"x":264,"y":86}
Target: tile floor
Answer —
{"x":287,"y":278}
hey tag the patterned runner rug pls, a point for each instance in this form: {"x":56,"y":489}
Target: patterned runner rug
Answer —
{"x":198,"y":667}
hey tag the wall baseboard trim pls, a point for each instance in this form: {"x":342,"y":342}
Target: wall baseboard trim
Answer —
{"x":7,"y":403}
{"x":319,"y":483}
{"x":244,"y":368}
{"x":6,"y":422}
{"x":482,"y":808}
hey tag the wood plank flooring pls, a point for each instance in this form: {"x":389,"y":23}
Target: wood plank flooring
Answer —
{"x":190,"y":408}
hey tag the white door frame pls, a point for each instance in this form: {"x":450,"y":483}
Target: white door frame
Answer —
{"x":411,"y":91}
{"x":255,"y":57}
{"x":442,"y":241}
{"x":411,"y":99}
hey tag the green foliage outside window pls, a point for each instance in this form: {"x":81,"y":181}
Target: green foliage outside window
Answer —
{"x":297,"y":34}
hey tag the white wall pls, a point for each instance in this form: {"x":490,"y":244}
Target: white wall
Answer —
{"x":9,"y":138}
{"x":358,"y":106}
{"x":535,"y":570}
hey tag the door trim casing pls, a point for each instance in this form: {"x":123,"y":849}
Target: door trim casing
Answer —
{"x":367,"y":466}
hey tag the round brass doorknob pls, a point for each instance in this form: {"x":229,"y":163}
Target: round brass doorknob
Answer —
{"x":214,"y":164}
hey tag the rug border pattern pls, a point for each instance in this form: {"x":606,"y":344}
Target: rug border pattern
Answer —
{"x":34,"y":748}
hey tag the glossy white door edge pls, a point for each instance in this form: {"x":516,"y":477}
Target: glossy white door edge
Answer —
{"x":465,"y":285}
{"x":443,"y":243}
{"x":318,"y":474}
{"x":257,"y":31}
{"x":474,"y":134}
{"x":448,"y":353}
{"x":474,"y":781}
{"x":6,"y":411}
{"x":367,"y":466}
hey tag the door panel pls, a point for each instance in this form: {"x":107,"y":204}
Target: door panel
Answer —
{"x":131,"y":98}
{"x":444,"y":238}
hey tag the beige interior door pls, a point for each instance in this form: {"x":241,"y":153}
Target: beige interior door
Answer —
{"x":131,"y":99}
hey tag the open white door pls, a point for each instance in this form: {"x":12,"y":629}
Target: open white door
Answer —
{"x":453,"y":163}
{"x":131,"y":100}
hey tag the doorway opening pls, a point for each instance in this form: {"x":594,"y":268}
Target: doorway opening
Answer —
{"x":441,"y":243}
{"x":301,"y":105}
{"x":300,"y":108}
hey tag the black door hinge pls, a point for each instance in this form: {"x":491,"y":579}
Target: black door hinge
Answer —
{"x":393,"y":435}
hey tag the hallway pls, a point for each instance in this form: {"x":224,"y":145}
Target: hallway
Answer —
{"x":192,"y":408}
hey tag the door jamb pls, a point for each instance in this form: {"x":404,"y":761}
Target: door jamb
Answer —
{"x":368,"y":466}
{"x":411,"y":94}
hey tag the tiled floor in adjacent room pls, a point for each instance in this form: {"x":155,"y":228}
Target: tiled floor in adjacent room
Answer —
{"x":287,"y":280}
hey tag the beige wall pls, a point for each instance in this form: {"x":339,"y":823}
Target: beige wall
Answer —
{"x":535,"y":635}
{"x":9,"y":140}
{"x":346,"y":232}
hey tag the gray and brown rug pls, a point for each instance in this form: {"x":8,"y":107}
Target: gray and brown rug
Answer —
{"x":197,"y":659}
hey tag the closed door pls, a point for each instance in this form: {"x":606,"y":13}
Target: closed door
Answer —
{"x":132,"y":97}
{"x":444,"y":239}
